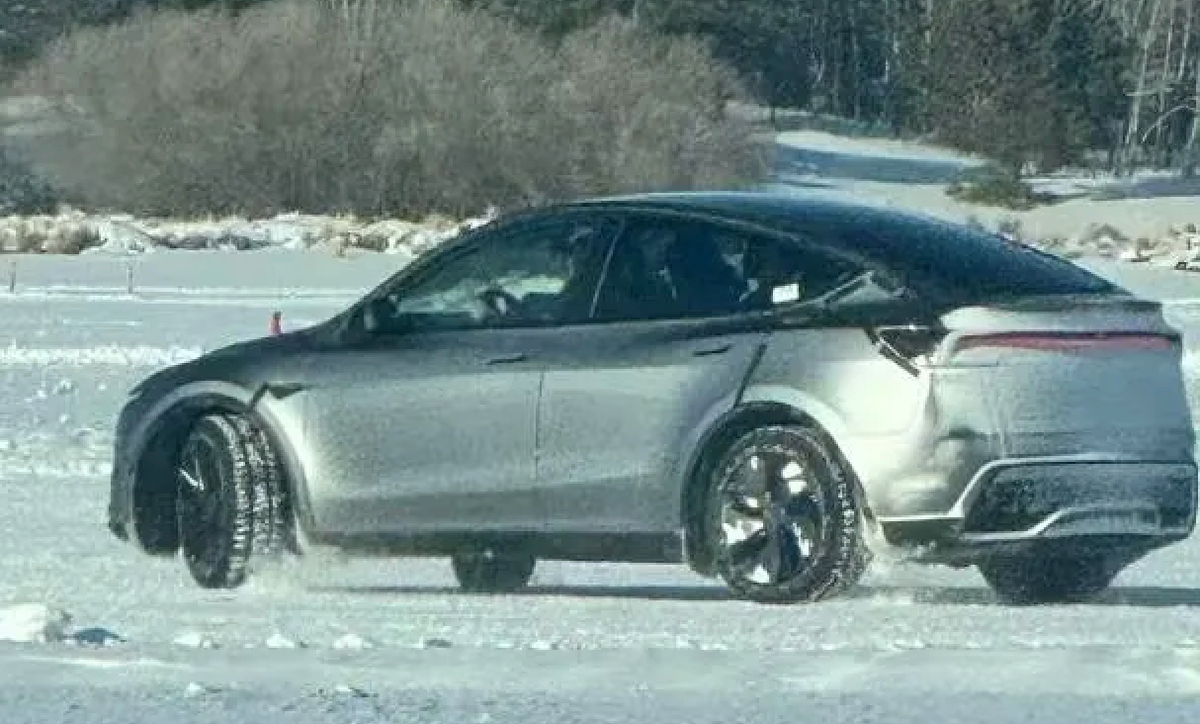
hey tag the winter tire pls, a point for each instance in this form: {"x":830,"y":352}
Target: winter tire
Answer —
{"x":783,"y":518}
{"x":1048,"y":579}
{"x":229,"y":502}
{"x":272,"y":533}
{"x":490,"y":571}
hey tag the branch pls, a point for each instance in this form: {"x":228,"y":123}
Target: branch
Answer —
{"x":1191,"y":105}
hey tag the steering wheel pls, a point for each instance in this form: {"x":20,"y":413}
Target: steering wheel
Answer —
{"x":500,"y":302}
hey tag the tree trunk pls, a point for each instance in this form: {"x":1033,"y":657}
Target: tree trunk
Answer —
{"x":1191,"y":150}
{"x":1162,"y":138}
{"x":1135,"y":107}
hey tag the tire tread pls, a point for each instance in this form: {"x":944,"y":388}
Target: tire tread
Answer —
{"x":256,"y":485}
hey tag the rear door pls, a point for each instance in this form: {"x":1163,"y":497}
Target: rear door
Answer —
{"x":668,"y":348}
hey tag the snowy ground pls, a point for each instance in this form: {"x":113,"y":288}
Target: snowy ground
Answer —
{"x":914,"y":176}
{"x":392,"y":641}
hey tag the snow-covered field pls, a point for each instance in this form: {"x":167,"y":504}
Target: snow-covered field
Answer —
{"x":91,"y":631}
{"x":126,"y":638}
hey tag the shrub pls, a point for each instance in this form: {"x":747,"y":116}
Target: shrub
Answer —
{"x":378,"y":108}
{"x":21,"y":192}
{"x":994,"y":186}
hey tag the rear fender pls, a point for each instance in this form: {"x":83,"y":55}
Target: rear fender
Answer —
{"x":822,"y":414}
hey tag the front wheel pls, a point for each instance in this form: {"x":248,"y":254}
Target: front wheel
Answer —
{"x":489,"y":571}
{"x":783,"y":518}
{"x":229,"y":500}
{"x":1048,"y":579}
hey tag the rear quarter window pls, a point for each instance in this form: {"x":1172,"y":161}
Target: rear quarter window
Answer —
{"x":959,"y":265}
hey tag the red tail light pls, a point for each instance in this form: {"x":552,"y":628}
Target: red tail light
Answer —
{"x":1069,"y":341}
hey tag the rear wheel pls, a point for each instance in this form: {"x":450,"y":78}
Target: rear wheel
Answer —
{"x":490,"y":571}
{"x":783,"y":518}
{"x":229,"y":500}
{"x":1048,"y":579}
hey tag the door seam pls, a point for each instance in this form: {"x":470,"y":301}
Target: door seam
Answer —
{"x":755,"y":359}
{"x":537,"y":428}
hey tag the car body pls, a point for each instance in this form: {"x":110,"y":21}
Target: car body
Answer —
{"x":540,"y":384}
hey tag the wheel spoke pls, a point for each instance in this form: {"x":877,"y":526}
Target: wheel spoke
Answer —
{"x":191,"y":480}
{"x":744,"y":506}
{"x":772,"y":466}
{"x":746,"y":555}
{"x":201,"y":494}
{"x":803,"y":507}
{"x":782,"y":555}
{"x":750,"y":480}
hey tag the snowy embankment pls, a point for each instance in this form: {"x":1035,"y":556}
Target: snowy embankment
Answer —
{"x":73,"y":232}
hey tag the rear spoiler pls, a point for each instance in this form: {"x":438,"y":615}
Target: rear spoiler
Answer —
{"x":1065,"y":302}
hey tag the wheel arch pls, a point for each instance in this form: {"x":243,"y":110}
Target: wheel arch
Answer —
{"x":161,"y":438}
{"x":758,"y":407}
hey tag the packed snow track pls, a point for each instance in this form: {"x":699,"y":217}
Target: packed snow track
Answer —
{"x":91,"y":631}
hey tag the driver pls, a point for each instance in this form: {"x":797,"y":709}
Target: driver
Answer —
{"x":572,"y":301}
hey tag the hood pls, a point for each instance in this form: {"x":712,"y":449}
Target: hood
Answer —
{"x":286,"y":343}
{"x":225,"y":362}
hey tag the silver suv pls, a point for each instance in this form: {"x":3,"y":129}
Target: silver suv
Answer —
{"x":746,"y":383}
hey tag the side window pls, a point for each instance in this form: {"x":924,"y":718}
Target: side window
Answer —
{"x":692,"y":270}
{"x":778,"y":272}
{"x":535,"y":275}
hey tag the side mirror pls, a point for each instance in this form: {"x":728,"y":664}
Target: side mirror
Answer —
{"x":379,"y":317}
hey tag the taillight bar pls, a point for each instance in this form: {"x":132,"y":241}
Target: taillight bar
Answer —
{"x":1069,"y":341}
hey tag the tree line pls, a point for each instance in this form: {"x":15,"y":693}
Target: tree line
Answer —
{"x":1034,"y":84}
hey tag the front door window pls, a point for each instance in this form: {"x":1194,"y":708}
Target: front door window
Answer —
{"x":535,"y":275}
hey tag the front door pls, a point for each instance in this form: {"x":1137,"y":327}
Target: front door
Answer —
{"x":430,"y":420}
{"x":423,"y":430}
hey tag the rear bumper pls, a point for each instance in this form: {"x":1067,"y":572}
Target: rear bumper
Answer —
{"x":1011,"y":504}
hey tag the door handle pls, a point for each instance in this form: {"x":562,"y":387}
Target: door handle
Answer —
{"x":714,"y":350}
{"x":508,"y":359}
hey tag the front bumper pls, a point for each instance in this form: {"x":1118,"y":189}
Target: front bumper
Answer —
{"x":120,"y":503}
{"x":1011,"y":504}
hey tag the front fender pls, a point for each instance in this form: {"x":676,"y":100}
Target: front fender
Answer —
{"x":281,"y":417}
